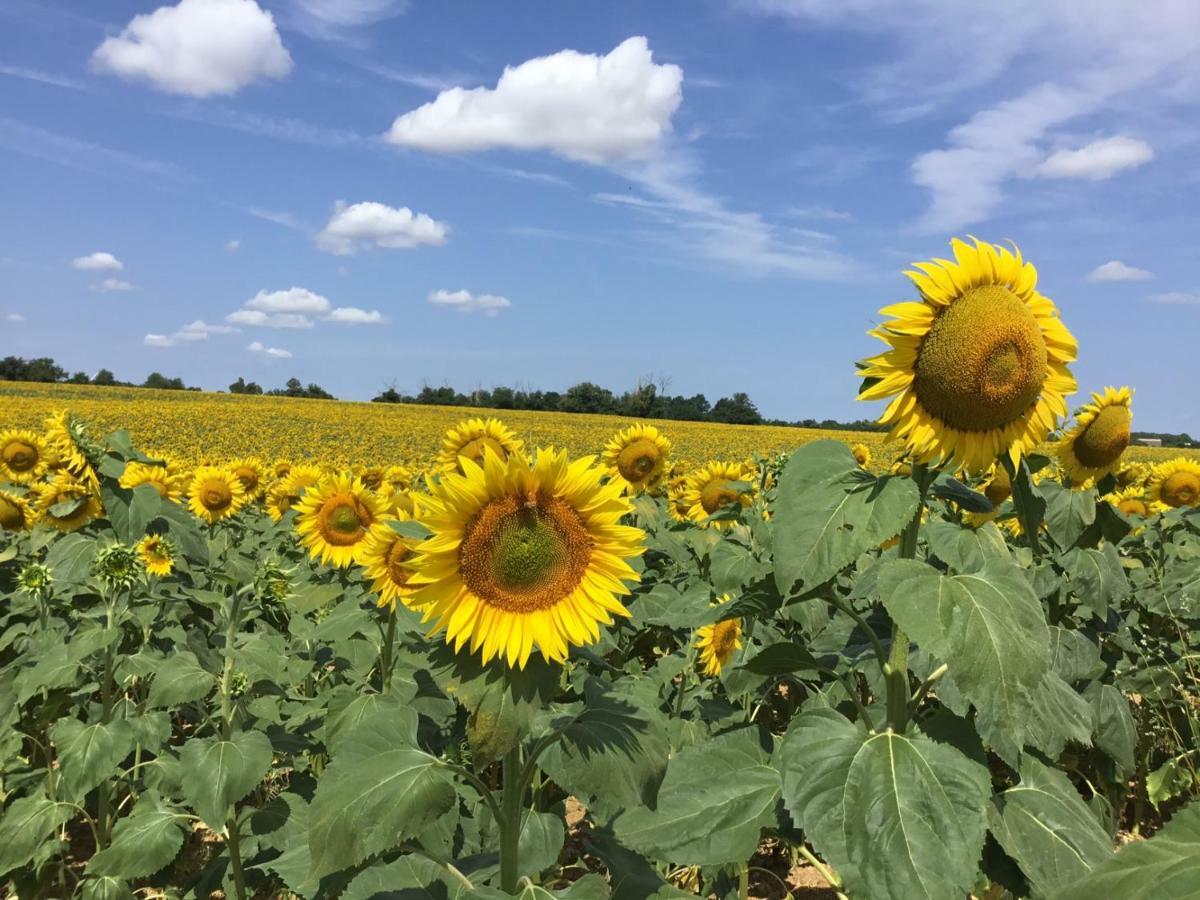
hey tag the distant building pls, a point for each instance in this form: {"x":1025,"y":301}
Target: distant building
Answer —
{"x":1150,"y":442}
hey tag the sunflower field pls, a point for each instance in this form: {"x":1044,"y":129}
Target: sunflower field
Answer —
{"x":285,"y":648}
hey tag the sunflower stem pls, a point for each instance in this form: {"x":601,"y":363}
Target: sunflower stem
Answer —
{"x":744,"y":882}
{"x":1022,"y":488}
{"x":896,"y":670}
{"x":510,"y":823}
{"x":386,"y":663}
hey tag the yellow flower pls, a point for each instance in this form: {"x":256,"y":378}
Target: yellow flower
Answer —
{"x":1133,"y":473}
{"x":385,"y":558}
{"x":524,"y":554}
{"x":164,"y":479}
{"x":998,"y":486}
{"x":862,"y":454}
{"x":287,"y":493}
{"x":1134,"y":502}
{"x":399,"y":478}
{"x":158,"y":556}
{"x":16,"y":513}
{"x":281,"y":468}
{"x":67,"y":504}
{"x":372,"y":477}
{"x":63,"y":432}
{"x":1093,"y":448}
{"x":215,"y":494}
{"x":978,"y":366}
{"x":638,"y":457}
{"x":1176,"y":482}
{"x":718,"y":642}
{"x":334,"y":518}
{"x":711,"y":489}
{"x":471,"y":437}
{"x":251,"y":472}
{"x":23,"y":456}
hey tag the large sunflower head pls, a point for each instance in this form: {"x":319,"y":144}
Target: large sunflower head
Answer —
{"x":286,"y":493}
{"x":1176,"y":482}
{"x":717,"y":643}
{"x":23,"y":456}
{"x":386,"y":557}
{"x":978,"y":366}
{"x":524,"y":554}
{"x":16,"y":512}
{"x":638,"y":457}
{"x":334,"y":518}
{"x":165,"y":479}
{"x":862,"y":454}
{"x":67,"y":503}
{"x":718,"y":487}
{"x":157,"y":552}
{"x":252,"y":473}
{"x":215,"y":493}
{"x":1093,"y":447}
{"x":470,"y":438}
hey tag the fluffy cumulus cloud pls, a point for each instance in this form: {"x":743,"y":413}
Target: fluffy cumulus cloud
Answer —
{"x":293,"y":300}
{"x":198,"y":330}
{"x":197,"y":47}
{"x":274,"y":352}
{"x":466,"y":302}
{"x":112,"y":284}
{"x":298,"y":307}
{"x":98,"y":262}
{"x":1098,"y":160}
{"x":1115,"y":270}
{"x":362,"y":225}
{"x":352,"y":315}
{"x":597,"y":109}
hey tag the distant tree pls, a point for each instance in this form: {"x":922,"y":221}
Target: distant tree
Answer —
{"x":105,"y":377}
{"x":253,"y":387}
{"x":503,"y":398}
{"x":586,"y":397}
{"x":239,"y":386}
{"x":158,"y":380}
{"x":316,"y":392}
{"x":736,"y":410}
{"x":79,"y":378}
{"x":391,"y":395}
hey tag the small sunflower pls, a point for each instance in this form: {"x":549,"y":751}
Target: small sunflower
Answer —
{"x":998,"y":486}
{"x":1134,"y":502}
{"x":23,"y":456}
{"x":385,"y":559}
{"x":372,"y":477}
{"x":285,"y":494}
{"x":399,"y":503}
{"x":1176,"y":482}
{"x":157,"y":553}
{"x":677,"y":501}
{"x":713,"y":488}
{"x":862,"y":454}
{"x":399,"y":478}
{"x":1133,"y":473}
{"x":334,"y":518}
{"x":978,"y":366}
{"x":471,"y":437}
{"x":638,"y":456}
{"x":16,"y":512}
{"x":1093,"y":447}
{"x":67,"y":503}
{"x":252,"y":473}
{"x":215,"y":494}
{"x":524,"y":554}
{"x":72,"y":447}
{"x":164,"y":479}
{"x":281,"y":468}
{"x":718,"y":642}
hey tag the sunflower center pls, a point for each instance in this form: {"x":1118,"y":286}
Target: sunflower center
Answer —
{"x":20,"y":456}
{"x":1134,"y":507}
{"x":999,"y":488}
{"x":1181,"y":489}
{"x":717,"y":494}
{"x":522,"y":554}
{"x":372,"y":479}
{"x":1105,"y":438}
{"x":215,"y":495}
{"x":474,"y":450}
{"x":247,"y":476}
{"x":983,"y":363}
{"x":724,"y":639}
{"x":638,"y":459}
{"x":10,"y":514}
{"x":396,"y":557}
{"x":344,"y":520}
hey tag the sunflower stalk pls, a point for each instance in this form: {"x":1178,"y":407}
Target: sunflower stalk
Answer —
{"x":1022,"y":490}
{"x":896,"y":670}
{"x":386,"y":651}
{"x":510,"y":822}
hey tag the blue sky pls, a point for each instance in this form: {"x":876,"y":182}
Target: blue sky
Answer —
{"x":361,"y":192}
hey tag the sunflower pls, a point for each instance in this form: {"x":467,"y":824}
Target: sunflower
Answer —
{"x":372,"y":477}
{"x":638,"y":457}
{"x":1134,"y":502}
{"x":157,"y":554}
{"x":287,"y":493}
{"x":334,"y":518}
{"x":718,"y":642}
{"x":862,"y":454}
{"x":68,"y":441}
{"x":470,"y":437}
{"x":978,"y":366}
{"x":215,"y":494}
{"x":524,"y":554}
{"x":385,"y":559}
{"x":164,"y":479}
{"x":16,"y":513}
{"x":1176,"y":482}
{"x":712,"y":488}
{"x":399,"y":503}
{"x":1133,"y":473}
{"x":251,"y":472}
{"x":998,"y":486}
{"x":1093,"y":447}
{"x":281,"y":468}
{"x":23,"y":456}
{"x":400,"y":478}
{"x":677,"y":502}
{"x":67,"y":503}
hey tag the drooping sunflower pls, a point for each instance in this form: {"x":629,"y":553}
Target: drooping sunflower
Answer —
{"x":1176,"y":482}
{"x":978,"y":366}
{"x":862,"y":454}
{"x":16,"y":512}
{"x":998,"y":486}
{"x":677,"y":502}
{"x":23,"y":456}
{"x":471,"y":437}
{"x":215,"y":493}
{"x":252,"y":473}
{"x":334,"y":518}
{"x":713,"y":488}
{"x":164,"y":479}
{"x":67,"y":503}
{"x":1134,"y":502}
{"x":638,"y":456}
{"x":285,"y":494}
{"x":1093,"y":447}
{"x":1133,"y":473}
{"x":68,"y":440}
{"x":157,"y":554}
{"x":385,"y":558}
{"x":717,"y":643}
{"x":524,"y":554}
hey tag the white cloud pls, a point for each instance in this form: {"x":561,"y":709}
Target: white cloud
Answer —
{"x":293,"y":300}
{"x":352,"y":315}
{"x":112,"y":284}
{"x":357,"y":227}
{"x":1115,"y":270}
{"x":269,"y":320}
{"x":158,"y":340}
{"x":198,"y":330}
{"x":466,"y":302}
{"x":14,"y":317}
{"x":233,"y":246}
{"x":276,"y":352}
{"x":1098,"y":160}
{"x":348,"y":13}
{"x":597,"y":109}
{"x":98,"y":262}
{"x":198,"y":47}
{"x":1177,"y":298}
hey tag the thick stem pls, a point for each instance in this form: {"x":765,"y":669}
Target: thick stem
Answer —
{"x":233,"y":843}
{"x":386,"y":663}
{"x":1020,"y":473}
{"x":510,"y":824}
{"x":107,"y":700}
{"x":744,"y":882}
{"x":683,"y":681}
{"x":896,"y":670}
{"x":235,"y":609}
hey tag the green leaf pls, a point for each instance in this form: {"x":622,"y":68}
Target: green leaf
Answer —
{"x":344,"y":717}
{"x":1170,"y":780}
{"x":1097,"y":578}
{"x":730,"y":566}
{"x":130,"y":511}
{"x":1073,"y":657}
{"x":143,"y":842}
{"x":966,"y":549}
{"x":376,"y":792}
{"x":631,"y":876}
{"x":184,"y":529}
{"x":1069,"y":514}
{"x":896,"y":815}
{"x":312,"y":595}
{"x":88,"y":754}
{"x":26,"y":825}
{"x":540,"y":841}
{"x":1166,"y":867}
{"x":55,"y":668}
{"x":411,"y":877}
{"x":219,"y":773}
{"x":1047,"y":828}
{"x":713,"y":804}
{"x":781,"y":659}
{"x":829,"y":511}
{"x":179,"y":679}
{"x":70,"y":558}
{"x":1115,"y":732}
{"x":104,"y":888}
{"x":947,"y":487}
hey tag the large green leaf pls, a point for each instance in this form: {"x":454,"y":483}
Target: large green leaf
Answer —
{"x":713,"y":804}
{"x":1166,"y":867}
{"x":376,"y":792}
{"x":70,"y":558}
{"x":130,"y":511}
{"x":1068,"y":514}
{"x":988,"y":626}
{"x":1047,"y":828}
{"x":411,"y":877}
{"x":88,"y":754}
{"x":1115,"y":732}
{"x":631,"y":876}
{"x":966,"y":549}
{"x":143,"y":842}
{"x":179,"y":679}
{"x":1097,"y":578}
{"x":26,"y":824}
{"x":898,"y":816}
{"x":828,"y":511}
{"x":219,"y":773}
